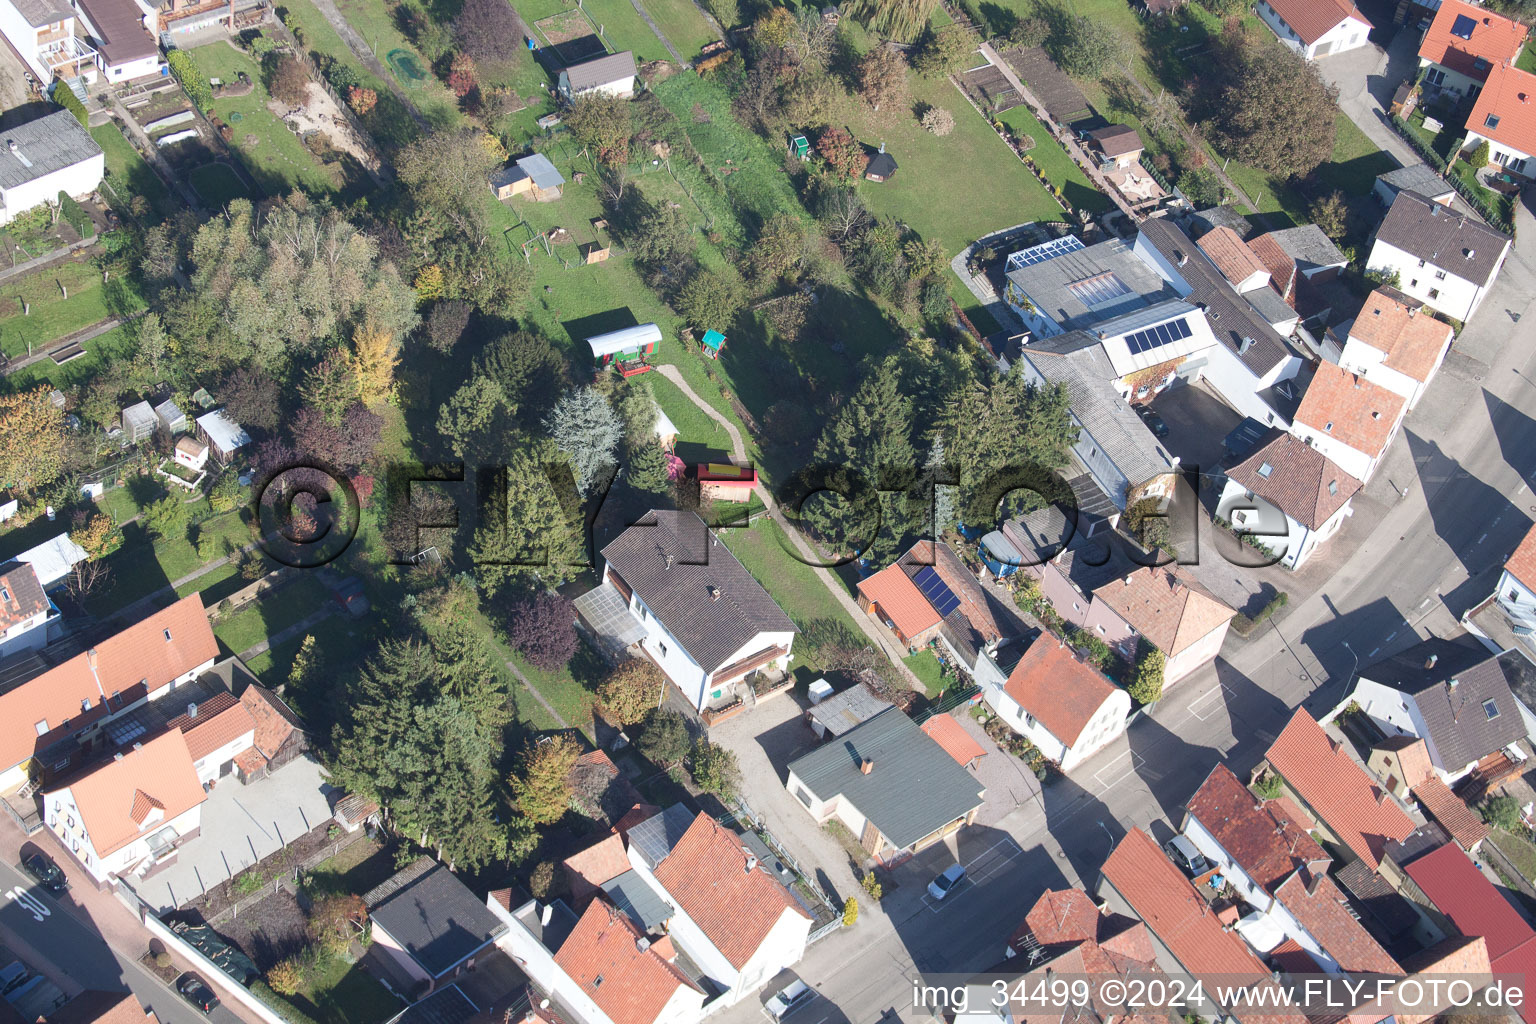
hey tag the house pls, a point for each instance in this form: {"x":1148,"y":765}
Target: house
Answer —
{"x":50,"y":40}
{"x":930,"y":594}
{"x":1334,"y":793}
{"x":843,"y":711}
{"x":1504,"y":118}
{"x":1060,"y":703}
{"x":430,"y":925}
{"x":1456,"y":697}
{"x":694,"y":609}
{"x":222,"y":434}
{"x":169,"y":417}
{"x":881,"y":166}
{"x":41,"y":158}
{"x":279,"y":737}
{"x":1070,"y":918}
{"x":1435,"y":798}
{"x":1394,"y":343}
{"x":611,"y":75}
{"x":588,"y":870}
{"x":1288,"y":497}
{"x":48,"y":720}
{"x":129,"y":814}
{"x":892,"y":595}
{"x":1168,"y":610}
{"x":1446,"y":260}
{"x":1464,"y":43}
{"x":191,"y":453}
{"x":1117,"y":145}
{"x":124,"y":34}
{"x":53,"y":559}
{"x":1316,"y":28}
{"x":215,"y":733}
{"x":1266,"y":854}
{"x":1420,"y":178}
{"x":138,"y":422}
{"x":533,"y":176}
{"x":890,"y":784}
{"x":1243,"y":269}
{"x":1349,"y":418}
{"x":25,"y":610}
{"x":1507,"y":618}
{"x":1063,"y":285}
{"x":721,"y":481}
{"x":1302,"y":251}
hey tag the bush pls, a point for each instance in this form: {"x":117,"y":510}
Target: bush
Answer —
{"x":542,"y":880}
{"x":1243,"y":625}
{"x":543,"y":629}
{"x":1269,"y":787}
{"x":1095,"y":651}
{"x":715,"y":769}
{"x":65,"y":97}
{"x":850,"y":911}
{"x":664,"y":737}
{"x":630,"y":691}
{"x":1480,"y":155}
{"x":1503,"y":812}
{"x":163,"y":960}
{"x":938,"y":121}
{"x":286,"y":977}
{"x":872,"y":886}
{"x":1147,"y":687}
{"x":288,"y":80}
{"x":191,"y":78}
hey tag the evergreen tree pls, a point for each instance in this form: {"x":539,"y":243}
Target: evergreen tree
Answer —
{"x":536,"y":534}
{"x":1009,"y":436}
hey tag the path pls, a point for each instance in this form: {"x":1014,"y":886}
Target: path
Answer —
{"x":151,"y":153}
{"x":534,"y":692}
{"x":79,"y":337}
{"x":365,"y":54}
{"x":659,"y":34}
{"x":806,"y":553}
{"x":46,"y":258}
{"x":284,"y":635}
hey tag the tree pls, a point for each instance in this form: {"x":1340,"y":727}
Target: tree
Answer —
{"x":602,"y":124}
{"x":663,"y":737}
{"x":1502,"y":811}
{"x":1007,"y":437}
{"x":646,"y":467}
{"x":306,"y":663}
{"x":842,"y":153}
{"x":474,"y":416}
{"x":882,"y":77}
{"x":938,"y":121}
{"x":529,"y":370}
{"x":362,"y":100}
{"x":1147,"y":686}
{"x":850,"y":912}
{"x":541,"y":881}
{"x":585,"y":427}
{"x":462,"y":78}
{"x":373,"y":359}
{"x":31,"y":440}
{"x":901,"y":20}
{"x":166,"y":518}
{"x":1480,"y":155}
{"x":94,"y":531}
{"x":715,"y":769}
{"x":488,"y":30}
{"x":779,"y":249}
{"x":346,"y":445}
{"x":252,"y":399}
{"x":335,"y":919}
{"x":530,"y":537}
{"x":539,"y":783}
{"x":446,"y":324}
{"x":430,"y":283}
{"x":773,"y":29}
{"x":1331,"y":213}
{"x":712,"y":298}
{"x":286,"y":976}
{"x":839,"y":208}
{"x":288,"y":80}
{"x":153,"y":348}
{"x":949,"y":51}
{"x":330,"y":387}
{"x":628,"y":693}
{"x":543,"y":628}
{"x":1203,"y":186}
{"x":1084,"y":49}
{"x":190,"y":77}
{"x":1029,"y":32}
{"x":445,"y":174}
{"x":946,"y":497}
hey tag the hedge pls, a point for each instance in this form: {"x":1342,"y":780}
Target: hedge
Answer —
{"x":1243,"y":625}
{"x":65,"y":97}
{"x":282,"y":1007}
{"x":75,"y":215}
{"x":190,"y":76}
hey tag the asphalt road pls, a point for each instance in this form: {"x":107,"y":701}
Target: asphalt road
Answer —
{"x":59,"y":943}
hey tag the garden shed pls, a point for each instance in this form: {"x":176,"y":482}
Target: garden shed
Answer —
{"x":628,"y":347}
{"x":138,"y":422}
{"x":712,"y":343}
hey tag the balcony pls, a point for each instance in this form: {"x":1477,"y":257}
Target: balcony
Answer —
{"x":64,"y":56}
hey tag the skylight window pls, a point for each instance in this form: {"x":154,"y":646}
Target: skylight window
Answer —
{"x":1333,"y":487}
{"x":1491,"y":121}
{"x":1265,"y":470}
{"x":1491,"y":709}
{"x":1462,"y":27}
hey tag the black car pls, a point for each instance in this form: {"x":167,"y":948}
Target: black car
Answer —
{"x":196,"y":991}
{"x":1153,"y":421}
{"x":48,"y":874}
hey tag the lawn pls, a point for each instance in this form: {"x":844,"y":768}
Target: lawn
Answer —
{"x":1060,"y":169}
{"x":143,"y":565}
{"x":372,"y":20}
{"x":118,"y":343}
{"x":1527,"y":60}
{"x":271,"y":615}
{"x":929,"y":672}
{"x":694,"y":428}
{"x":624,"y":29}
{"x":129,"y":174}
{"x":216,"y":184}
{"x":343,"y":993}
{"x":62,"y":298}
{"x":682,"y":24}
{"x":1520,"y":851}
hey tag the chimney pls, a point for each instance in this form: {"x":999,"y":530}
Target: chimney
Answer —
{"x":752,"y":863}
{"x":1335,"y":744}
{"x":1471,"y":253}
{"x":546,"y":914}
{"x":714,"y":593}
{"x":117,"y":756}
{"x":191,"y":710}
{"x":1183,"y":257}
{"x":882,"y":147}
{"x":1375,"y":415}
{"x":1452,"y":683}
{"x":669,"y":560}
{"x":1127,"y":579}
{"x":866,"y":766}
{"x":1430,"y":661}
{"x":642,"y":944}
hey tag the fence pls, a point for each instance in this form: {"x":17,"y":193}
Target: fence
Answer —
{"x":1506,"y":867}
{"x":206,"y":967}
{"x":286,"y":879}
{"x":1453,"y":179}
{"x":749,"y":817}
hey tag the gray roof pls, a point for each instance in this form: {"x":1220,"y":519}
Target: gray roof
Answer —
{"x":1222,"y":217}
{"x":694,"y":586}
{"x":914,"y":788}
{"x":42,"y":147}
{"x":634,"y":897}
{"x":119,"y":30}
{"x":654,"y":837}
{"x":1049,"y":284}
{"x":445,"y":1006}
{"x":1230,"y":316}
{"x":1309,"y":247}
{"x":139,"y":414}
{"x":1369,"y":892}
{"x":1420,"y":178}
{"x":433,"y":916}
{"x":1096,"y":404}
{"x":1455,"y":242}
{"x":844,"y":711}
{"x":1468,"y":720}
{"x":593,"y":73}
{"x":1269,"y":305}
{"x":543,"y":173}
{"x":41,"y":12}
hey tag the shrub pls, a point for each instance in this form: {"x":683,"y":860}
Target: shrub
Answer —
{"x":542,"y":880}
{"x":191,"y":78}
{"x":1147,"y":687}
{"x":1269,"y":786}
{"x":872,"y":886}
{"x":850,"y":911}
{"x":65,"y":97}
{"x":1480,"y":155}
{"x":715,"y":769}
{"x":288,"y":80}
{"x":1095,"y":651}
{"x":664,"y":739}
{"x":938,"y":121}
{"x":163,"y":960}
{"x":362,"y":100}
{"x":543,"y":628}
{"x":630,"y":691}
{"x":1503,"y":812}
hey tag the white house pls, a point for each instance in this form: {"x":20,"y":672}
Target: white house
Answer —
{"x":125,"y":36}
{"x":49,"y":38}
{"x":41,"y":158}
{"x":216,"y":731}
{"x":1446,"y":260}
{"x":1287,"y":497}
{"x":671,"y":589}
{"x":1167,"y":609}
{"x":1063,"y":705}
{"x":25,"y":610}
{"x":1507,"y":618}
{"x":1316,"y":28}
{"x":129,"y":813}
{"x":1350,"y":419}
{"x":612,"y":75}
{"x":1464,"y":43}
{"x":191,"y":453}
{"x":1505,"y":117}
{"x":1394,"y":343}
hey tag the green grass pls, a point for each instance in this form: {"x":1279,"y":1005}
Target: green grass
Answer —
{"x":272,"y":614}
{"x":1520,"y":851}
{"x":682,"y":24}
{"x":1527,"y":60}
{"x":693,"y":426}
{"x":624,"y":29}
{"x":1501,"y":204}
{"x":216,"y":185}
{"x":929,"y":672}
{"x":55,"y":314}
{"x":343,"y":993}
{"x":1356,"y":161}
{"x":143,"y":565}
{"x":118,"y":343}
{"x":1060,"y":169}
{"x":372,"y":20}
{"x":129,"y":174}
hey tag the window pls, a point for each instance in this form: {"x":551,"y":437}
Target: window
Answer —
{"x":802,"y":795}
{"x":1435,"y":77}
{"x":1265,"y":470}
{"x":1328,"y":426}
{"x":663,"y":648}
{"x":1491,"y":121}
{"x":1434,"y":293}
{"x":5,"y":594}
{"x":85,"y":703}
{"x":167,"y":635}
{"x":42,"y":727}
{"x":61,"y":765}
{"x":1421,"y":263}
{"x":1491,"y":709}
{"x":1439,"y":275}
{"x":1333,"y":487}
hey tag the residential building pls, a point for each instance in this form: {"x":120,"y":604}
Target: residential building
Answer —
{"x":223,"y":435}
{"x":843,"y":711}
{"x":1301,"y":253}
{"x":128,"y":815}
{"x":430,"y":925}
{"x":890,"y":784}
{"x":53,"y":559}
{"x":1504,"y":118}
{"x":1349,"y":418}
{"x":944,"y":730}
{"x":929,"y":594}
{"x":25,"y":610}
{"x":1464,"y":43}
{"x":1456,"y":697}
{"x":1446,"y":260}
{"x":1063,"y":285}
{"x":1288,"y":497}
{"x":125,"y":36}
{"x":1226,"y":249}
{"x":670,"y":589}
{"x":1436,"y":800}
{"x":51,"y":720}
{"x":1065,"y":934}
{"x":1167,"y":609}
{"x":1507,"y":618}
{"x":1063,"y":705}
{"x":1395,"y":343}
{"x":215,"y":732}
{"x":1316,"y":28}
{"x":1420,"y":178}
{"x":191,"y":453}
{"x":611,"y":75}
{"x":41,"y":158}
{"x":50,"y":40}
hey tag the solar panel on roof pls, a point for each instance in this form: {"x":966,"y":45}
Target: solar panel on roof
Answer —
{"x":1156,"y":337}
{"x":936,"y":591}
{"x":1462,"y":27}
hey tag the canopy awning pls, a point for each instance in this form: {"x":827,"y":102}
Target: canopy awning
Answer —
{"x":627,"y":340}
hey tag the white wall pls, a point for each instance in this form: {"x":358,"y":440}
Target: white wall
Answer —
{"x":1297,"y":542}
{"x":185,"y":677}
{"x":1454,"y":296}
{"x":823,"y":810}
{"x":1517,"y":600}
{"x":783,"y":947}
{"x":1196,"y":654}
{"x":27,"y":635}
{"x":23,"y":36}
{"x":1025,"y":724}
{"x":1397,"y":715}
{"x":1369,"y":362}
{"x":1356,"y":463}
{"x":1502,"y":153}
{"x":1239,"y":386}
{"x":623,"y":87}
{"x":760,"y":642}
{"x":208,"y":767}
{"x":76,"y":180}
{"x":1453,"y":81}
{"x":1349,"y":34}
{"x":75,"y":838}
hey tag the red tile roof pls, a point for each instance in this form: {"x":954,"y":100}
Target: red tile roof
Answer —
{"x":900,"y":600}
{"x":1522,"y":564}
{"x":1292,"y":959}
{"x":1462,"y":893}
{"x":1056,"y":687}
{"x":1349,"y":408}
{"x":220,"y":720}
{"x":1316,"y":902}
{"x":1268,"y":846}
{"x":1301,"y":481}
{"x":601,"y":862}
{"x":1463,"y":823}
{"x":951,"y":735}
{"x":960,"y":581}
{"x":1337,"y":789}
{"x":1281,"y":267}
{"x":1463,"y":955}
{"x":1232,"y":257}
{"x":1509,"y":96}
{"x":1173,"y":612}
{"x":1065,"y":915}
{"x":114,"y":800}
{"x":1412,"y":755}
{"x":707,"y":876}
{"x":1495,"y":39}
{"x":603,"y":956}
{"x":1313,"y":19}
{"x":275,"y":720}
{"x":601,"y":760}
{"x":21,"y":595}
{"x":130,"y":663}
{"x":634,"y":816}
{"x":1396,"y":325}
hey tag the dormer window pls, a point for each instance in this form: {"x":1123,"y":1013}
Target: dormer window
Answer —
{"x":42,"y":727}
{"x":85,"y":703}
{"x":1328,"y":426}
{"x":5,"y":594}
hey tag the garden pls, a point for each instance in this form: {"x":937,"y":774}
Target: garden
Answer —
{"x":59,"y":299}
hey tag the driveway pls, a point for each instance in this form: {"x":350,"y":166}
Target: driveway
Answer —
{"x":1198,"y":422}
{"x":1366,"y":79}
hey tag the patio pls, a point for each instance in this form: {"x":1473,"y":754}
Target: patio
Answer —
{"x":1135,"y":184}
{"x":241,"y":825}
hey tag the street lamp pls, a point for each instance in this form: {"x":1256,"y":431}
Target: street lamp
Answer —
{"x":1353,"y":668}
{"x":1110,"y":835}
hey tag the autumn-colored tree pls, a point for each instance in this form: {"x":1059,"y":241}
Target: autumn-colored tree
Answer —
{"x":494,"y":147}
{"x":602,"y":124}
{"x":882,"y":75}
{"x":288,"y":80}
{"x":362,"y":100}
{"x":31,"y":440}
{"x":948,"y":51}
{"x":938,"y":120}
{"x":773,"y":29}
{"x":629,"y":691}
{"x":462,"y":77}
{"x":539,"y":783}
{"x":842,"y":152}
{"x":334,"y":920}
{"x":430,"y":283}
{"x":373,"y":363}
{"x":779,"y":248}
{"x":286,"y":976}
{"x":94,"y":531}
{"x":306,"y":663}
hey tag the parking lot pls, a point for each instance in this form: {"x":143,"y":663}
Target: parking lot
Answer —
{"x":979,"y":868}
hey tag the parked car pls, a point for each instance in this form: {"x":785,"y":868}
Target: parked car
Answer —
{"x":945,"y":883}
{"x":47,"y":874}
{"x":12,"y":976}
{"x":788,"y":999}
{"x":196,"y":991}
{"x":1189,"y":859}
{"x":1153,"y":421}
